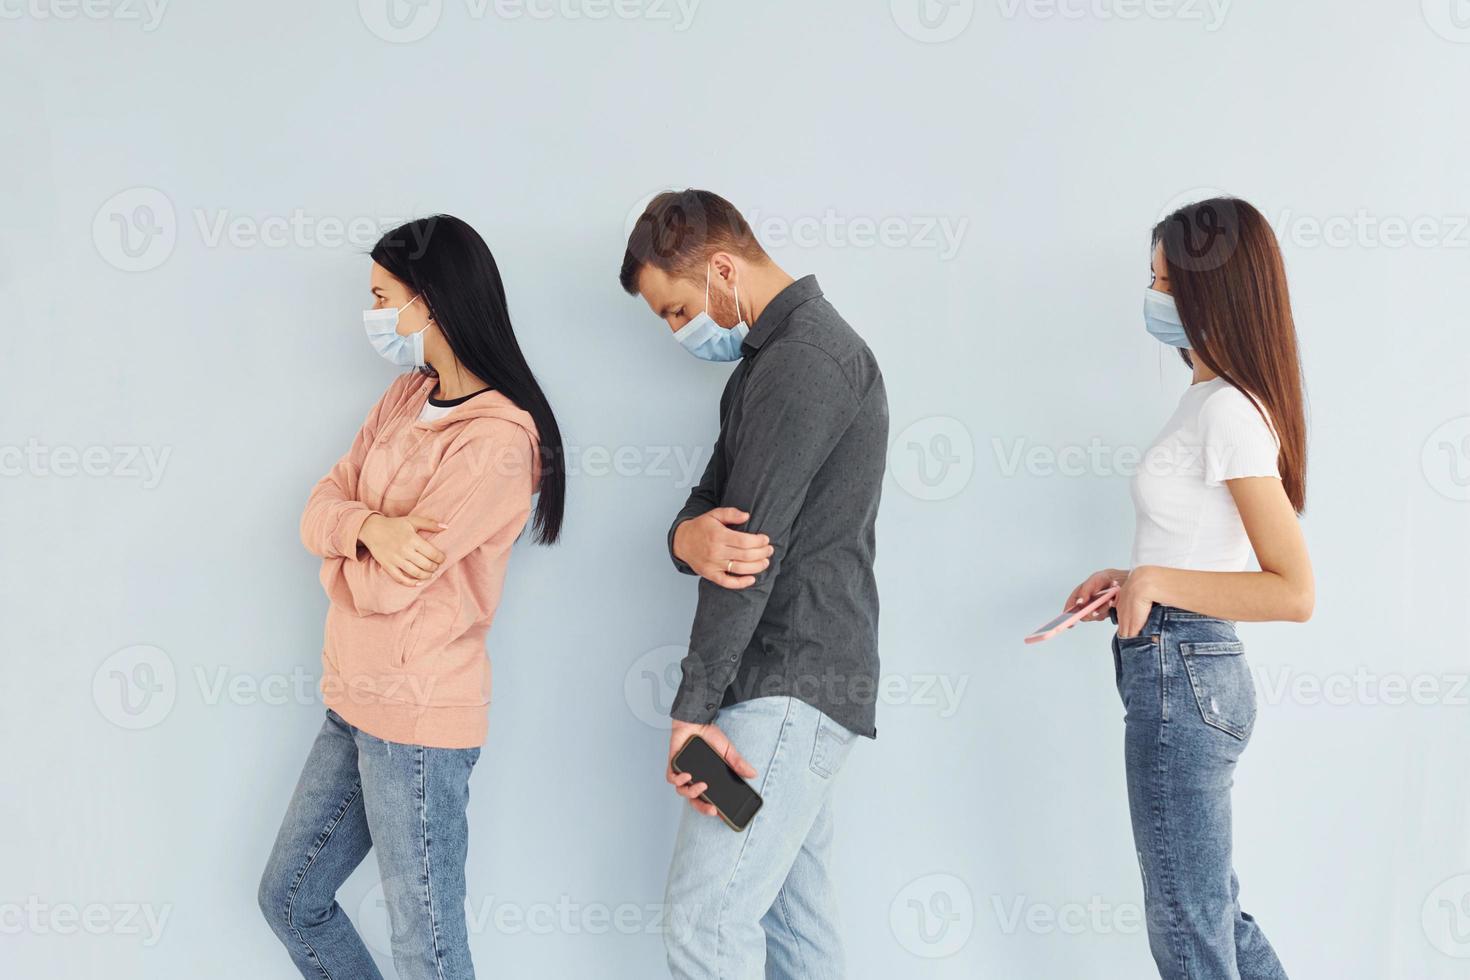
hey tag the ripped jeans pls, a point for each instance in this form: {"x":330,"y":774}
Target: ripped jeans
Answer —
{"x":1191,"y":704}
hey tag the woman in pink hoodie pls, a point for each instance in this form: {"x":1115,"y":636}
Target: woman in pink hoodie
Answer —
{"x":414,"y":527}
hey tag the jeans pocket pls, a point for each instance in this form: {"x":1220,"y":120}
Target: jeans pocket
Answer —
{"x":1140,"y":640}
{"x":1136,"y":673}
{"x":1222,"y":684}
{"x":831,"y":746}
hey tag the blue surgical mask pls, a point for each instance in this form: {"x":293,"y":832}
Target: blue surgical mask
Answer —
{"x":1161,"y":317}
{"x":382,"y":333}
{"x":706,"y":339}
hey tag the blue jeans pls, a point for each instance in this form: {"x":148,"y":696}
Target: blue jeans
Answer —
{"x":760,"y":905}
{"x":1191,"y":705}
{"x":407,"y":802}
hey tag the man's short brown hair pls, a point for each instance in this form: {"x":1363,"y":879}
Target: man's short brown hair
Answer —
{"x":680,"y":230}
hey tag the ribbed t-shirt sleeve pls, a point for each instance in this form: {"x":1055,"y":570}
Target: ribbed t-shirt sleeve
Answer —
{"x":1238,"y":442}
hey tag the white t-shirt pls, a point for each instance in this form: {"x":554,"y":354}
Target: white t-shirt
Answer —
{"x":1185,"y":515}
{"x":430,"y":411}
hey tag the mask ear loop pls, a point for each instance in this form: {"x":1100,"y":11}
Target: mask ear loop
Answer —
{"x":418,"y":335}
{"x":428,"y":322}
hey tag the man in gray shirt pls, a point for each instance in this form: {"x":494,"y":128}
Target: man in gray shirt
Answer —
{"x":783,"y":655}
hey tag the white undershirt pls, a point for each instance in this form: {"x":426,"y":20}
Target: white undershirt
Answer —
{"x":1185,"y":515}
{"x":430,"y":411}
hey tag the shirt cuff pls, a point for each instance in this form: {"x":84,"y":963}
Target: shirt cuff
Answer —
{"x":348,"y":530}
{"x":680,"y":565}
{"x":696,"y":707}
{"x":698,"y":700}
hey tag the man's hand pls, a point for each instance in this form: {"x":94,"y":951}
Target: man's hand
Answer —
{"x":683,"y":781}
{"x":396,"y":545}
{"x":726,"y":557}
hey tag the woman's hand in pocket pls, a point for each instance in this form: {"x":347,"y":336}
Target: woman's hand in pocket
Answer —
{"x":1134,"y":602}
{"x":396,"y":545}
{"x":1096,"y":582}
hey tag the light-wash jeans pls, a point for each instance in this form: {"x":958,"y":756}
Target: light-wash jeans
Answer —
{"x":760,"y":905}
{"x":1191,"y":705}
{"x":407,"y":803}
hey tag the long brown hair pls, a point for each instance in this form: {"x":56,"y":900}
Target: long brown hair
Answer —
{"x":1229,"y":284}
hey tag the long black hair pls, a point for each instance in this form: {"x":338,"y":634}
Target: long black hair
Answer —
{"x":446,"y":261}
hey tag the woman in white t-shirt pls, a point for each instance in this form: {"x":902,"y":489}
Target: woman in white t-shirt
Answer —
{"x":1224,"y":481}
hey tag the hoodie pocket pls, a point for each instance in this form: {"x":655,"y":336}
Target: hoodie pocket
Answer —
{"x":413,"y":629}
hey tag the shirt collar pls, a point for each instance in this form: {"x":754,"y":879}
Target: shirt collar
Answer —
{"x":779,"y":310}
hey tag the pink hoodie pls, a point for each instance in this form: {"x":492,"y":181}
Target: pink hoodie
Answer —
{"x":408,"y":663}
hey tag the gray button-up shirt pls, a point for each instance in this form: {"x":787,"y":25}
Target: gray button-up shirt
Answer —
{"x":802,"y":448}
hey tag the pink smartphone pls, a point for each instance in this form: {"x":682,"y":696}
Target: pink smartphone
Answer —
{"x":1069,"y":619}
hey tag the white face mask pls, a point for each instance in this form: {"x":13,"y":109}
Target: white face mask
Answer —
{"x":382,"y":333}
{"x":706,"y":339}
{"x":1161,"y":318}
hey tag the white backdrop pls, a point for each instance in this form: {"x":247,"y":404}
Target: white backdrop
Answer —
{"x":188,"y":193}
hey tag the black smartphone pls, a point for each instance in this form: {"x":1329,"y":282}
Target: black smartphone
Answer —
{"x":724,"y":789}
